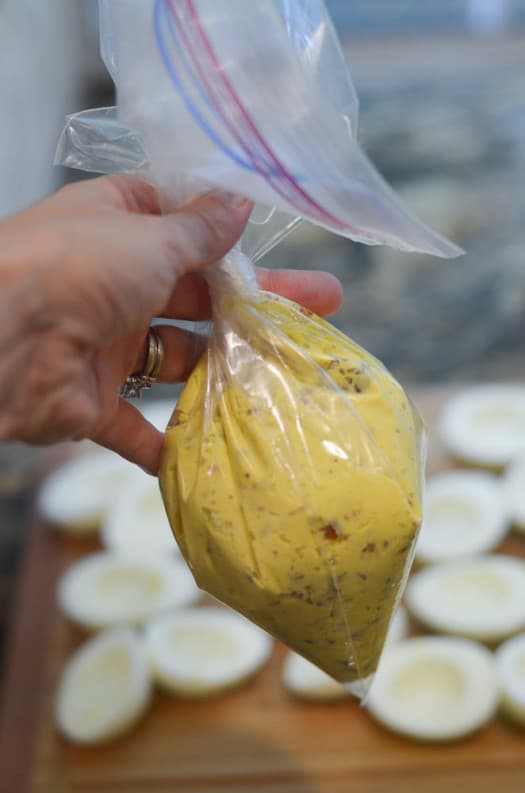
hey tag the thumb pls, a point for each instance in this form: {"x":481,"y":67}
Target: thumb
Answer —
{"x":203,"y":231}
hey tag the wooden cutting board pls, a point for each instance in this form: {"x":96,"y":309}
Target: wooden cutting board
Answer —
{"x":255,"y":740}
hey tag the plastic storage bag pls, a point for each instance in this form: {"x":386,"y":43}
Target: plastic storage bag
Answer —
{"x":293,"y":464}
{"x":292,"y":478}
{"x":254,"y":97}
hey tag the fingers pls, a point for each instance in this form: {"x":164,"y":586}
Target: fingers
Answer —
{"x":121,"y":259}
{"x":202,"y":232}
{"x":202,"y":229}
{"x":190,"y":299}
{"x":131,"y":436}
{"x":182,"y":350}
{"x":128,"y":193}
{"x":320,"y":292}
{"x":148,"y":254}
{"x":171,"y":247}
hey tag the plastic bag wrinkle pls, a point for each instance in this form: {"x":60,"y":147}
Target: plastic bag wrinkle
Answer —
{"x":310,"y":545}
{"x":254,"y":98}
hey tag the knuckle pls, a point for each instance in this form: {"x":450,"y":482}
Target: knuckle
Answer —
{"x":55,"y":393}
{"x":67,"y":191}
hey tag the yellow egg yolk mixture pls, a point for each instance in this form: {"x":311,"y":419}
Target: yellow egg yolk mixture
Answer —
{"x":292,"y":477}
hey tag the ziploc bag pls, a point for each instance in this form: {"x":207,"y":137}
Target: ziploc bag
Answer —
{"x":293,"y":462}
{"x":253,"y":97}
{"x":292,"y":477}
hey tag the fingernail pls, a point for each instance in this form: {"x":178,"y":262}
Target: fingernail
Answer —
{"x":231,"y":200}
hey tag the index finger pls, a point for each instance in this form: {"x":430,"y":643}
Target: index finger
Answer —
{"x":318,"y":291}
{"x":133,"y":437}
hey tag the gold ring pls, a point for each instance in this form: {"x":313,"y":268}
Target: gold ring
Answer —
{"x":141,"y":381}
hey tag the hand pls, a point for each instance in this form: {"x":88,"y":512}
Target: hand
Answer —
{"x":82,"y":274}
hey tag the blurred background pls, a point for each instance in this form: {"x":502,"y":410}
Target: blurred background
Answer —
{"x":442,"y":90}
